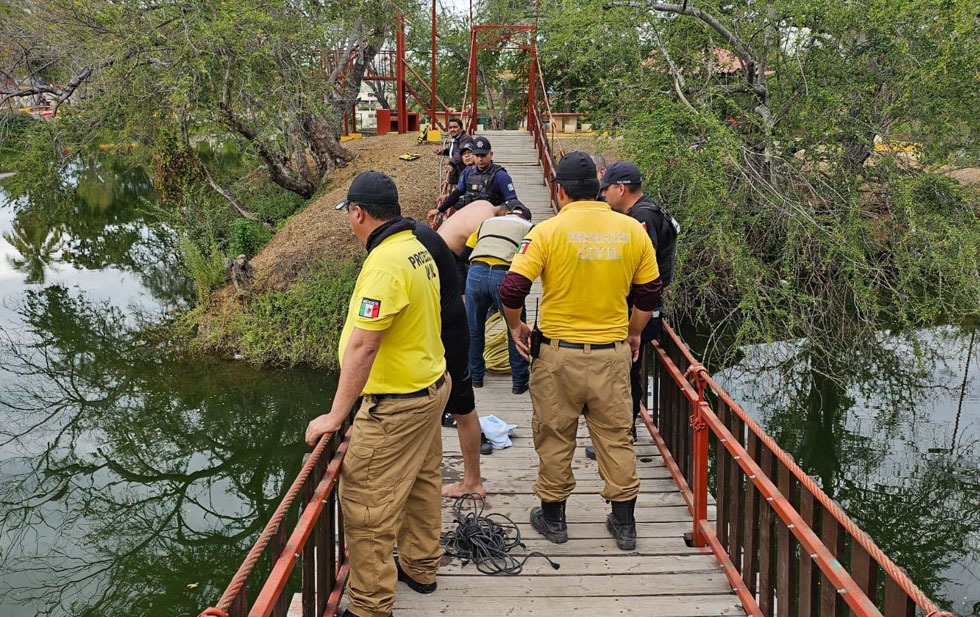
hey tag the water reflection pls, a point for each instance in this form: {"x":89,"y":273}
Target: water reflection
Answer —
{"x":96,"y":217}
{"x":891,"y":429}
{"x":129,"y":476}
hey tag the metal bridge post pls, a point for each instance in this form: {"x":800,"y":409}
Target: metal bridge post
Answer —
{"x":473,"y":50}
{"x":401,"y":75}
{"x":699,"y":456}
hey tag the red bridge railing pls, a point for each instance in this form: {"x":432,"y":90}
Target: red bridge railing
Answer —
{"x":787,"y":548}
{"x":541,"y":126}
{"x":315,"y":541}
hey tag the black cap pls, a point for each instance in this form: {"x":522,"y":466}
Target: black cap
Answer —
{"x":522,"y":211}
{"x":371,"y":187}
{"x":515,"y":206}
{"x":466,"y":144}
{"x":575,"y":166}
{"x":481,"y":145}
{"x":620,"y":172}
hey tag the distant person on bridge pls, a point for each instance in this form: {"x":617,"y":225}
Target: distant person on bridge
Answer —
{"x":484,"y":181}
{"x":466,"y":152}
{"x":392,"y":367}
{"x":589,"y":258}
{"x":461,"y":406}
{"x":452,"y":149}
{"x":600,"y":169}
{"x":490,"y":251}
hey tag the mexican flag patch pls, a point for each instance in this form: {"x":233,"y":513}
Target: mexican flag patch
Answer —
{"x":526,"y":242}
{"x":370,"y":308}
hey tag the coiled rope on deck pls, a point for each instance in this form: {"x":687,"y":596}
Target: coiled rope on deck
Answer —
{"x":486,"y":540}
{"x":495,"y":352}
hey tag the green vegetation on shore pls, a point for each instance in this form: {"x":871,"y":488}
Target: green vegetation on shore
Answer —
{"x":299,"y":325}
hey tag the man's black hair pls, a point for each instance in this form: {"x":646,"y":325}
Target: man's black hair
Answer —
{"x":381,"y":212}
{"x":456,"y":120}
{"x":633,"y":189}
{"x":580,"y":189}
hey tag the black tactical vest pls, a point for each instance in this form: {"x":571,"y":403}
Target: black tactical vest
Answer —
{"x":666,"y":233}
{"x":479,"y":185}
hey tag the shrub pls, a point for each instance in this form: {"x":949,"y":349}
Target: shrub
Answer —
{"x":247,"y":237}
{"x":301,"y":324}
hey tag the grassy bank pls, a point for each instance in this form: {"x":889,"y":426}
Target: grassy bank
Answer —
{"x":297,"y":325}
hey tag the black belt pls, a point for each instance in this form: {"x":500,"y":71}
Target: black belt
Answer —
{"x":569,"y":345}
{"x":423,"y":392}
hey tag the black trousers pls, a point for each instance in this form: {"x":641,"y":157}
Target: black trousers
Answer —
{"x":653,"y":331}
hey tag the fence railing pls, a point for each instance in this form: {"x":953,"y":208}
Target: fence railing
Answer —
{"x":316,"y":542}
{"x":787,"y":548}
{"x":540,"y":132}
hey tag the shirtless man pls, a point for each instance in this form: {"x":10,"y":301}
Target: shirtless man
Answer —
{"x":457,"y":228}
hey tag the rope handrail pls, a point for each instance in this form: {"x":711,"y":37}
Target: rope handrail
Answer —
{"x":271,"y":528}
{"x":547,"y":104}
{"x":863,"y":539}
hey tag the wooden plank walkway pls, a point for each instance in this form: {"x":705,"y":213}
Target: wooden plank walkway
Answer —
{"x":662,"y":577}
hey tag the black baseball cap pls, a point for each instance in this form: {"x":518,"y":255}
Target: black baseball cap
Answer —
{"x":466,"y":144}
{"x":620,"y":172}
{"x":522,"y":211}
{"x":481,"y":145}
{"x":514,"y":206}
{"x":575,"y":166}
{"x":371,"y":187}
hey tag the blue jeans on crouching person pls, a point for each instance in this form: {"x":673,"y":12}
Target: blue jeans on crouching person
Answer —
{"x":483,"y":292}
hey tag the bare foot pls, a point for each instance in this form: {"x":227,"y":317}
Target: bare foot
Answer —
{"x":458,"y":489}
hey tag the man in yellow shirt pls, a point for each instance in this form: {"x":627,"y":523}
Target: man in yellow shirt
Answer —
{"x":392,"y":367}
{"x":588,"y":258}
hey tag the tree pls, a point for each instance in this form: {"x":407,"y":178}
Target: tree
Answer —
{"x":756,"y":125}
{"x":245,"y":70}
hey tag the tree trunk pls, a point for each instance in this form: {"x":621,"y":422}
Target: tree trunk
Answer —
{"x":380,"y":93}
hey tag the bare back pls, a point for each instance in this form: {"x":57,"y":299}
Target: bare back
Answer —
{"x":457,"y":228}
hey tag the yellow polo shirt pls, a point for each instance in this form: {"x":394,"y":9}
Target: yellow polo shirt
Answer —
{"x":398,"y":291}
{"x":587,"y":257}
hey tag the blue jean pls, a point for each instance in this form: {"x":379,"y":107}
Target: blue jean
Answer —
{"x":483,"y":292}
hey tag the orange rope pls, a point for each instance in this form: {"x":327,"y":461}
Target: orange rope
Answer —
{"x":271,"y":528}
{"x":859,"y":535}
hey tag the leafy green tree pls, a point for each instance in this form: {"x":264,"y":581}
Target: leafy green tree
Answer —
{"x":246,"y":71}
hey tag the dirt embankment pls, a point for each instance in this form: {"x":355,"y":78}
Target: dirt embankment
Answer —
{"x":320,"y":232}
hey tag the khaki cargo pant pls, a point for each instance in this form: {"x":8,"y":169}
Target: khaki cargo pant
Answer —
{"x":563,"y":381}
{"x":390,"y":492}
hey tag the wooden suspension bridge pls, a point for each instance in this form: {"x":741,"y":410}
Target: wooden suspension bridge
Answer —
{"x":755,"y":536}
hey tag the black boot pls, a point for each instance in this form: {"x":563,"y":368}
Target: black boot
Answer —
{"x":549,"y":521}
{"x":413,"y":584}
{"x":622,"y":525}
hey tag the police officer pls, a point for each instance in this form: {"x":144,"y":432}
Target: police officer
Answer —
{"x":485,"y":180}
{"x":392,"y":367}
{"x":452,"y":149}
{"x":587,"y":256}
{"x":490,"y":251}
{"x":621,"y":188}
